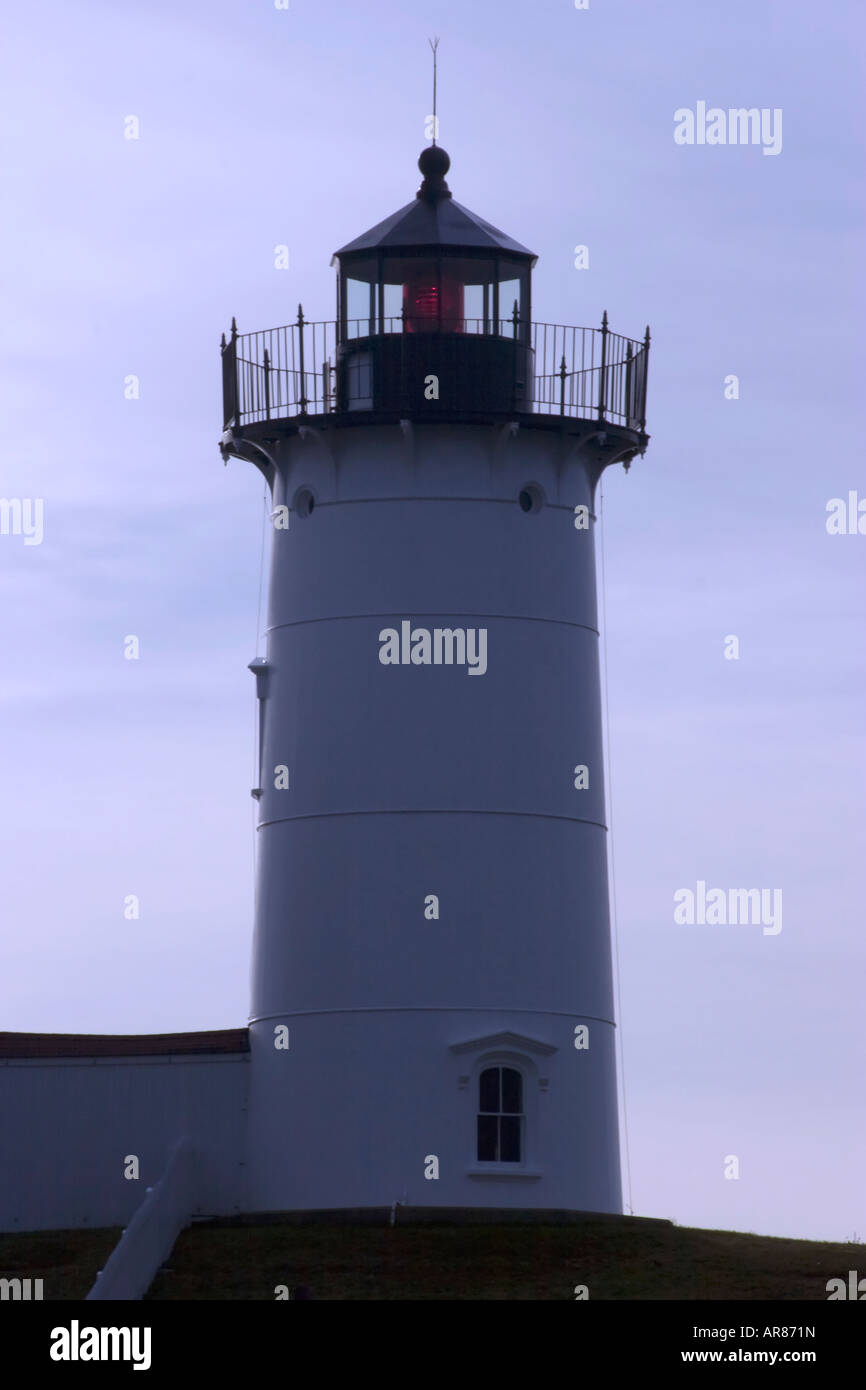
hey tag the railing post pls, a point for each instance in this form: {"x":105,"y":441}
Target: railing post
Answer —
{"x":645,"y":374}
{"x":234,"y":369}
{"x":602,"y":383}
{"x":231,"y":397}
{"x":562,"y":385}
{"x":514,"y":323}
{"x":302,"y":405}
{"x":267,"y":385}
{"x":226,"y":411}
{"x":630,"y":405}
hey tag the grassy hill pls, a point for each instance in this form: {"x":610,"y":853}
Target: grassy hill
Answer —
{"x":617,"y":1258}
{"x":66,"y":1261}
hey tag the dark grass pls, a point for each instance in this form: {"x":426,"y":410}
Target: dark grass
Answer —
{"x":625,"y":1260}
{"x":615,"y":1261}
{"x":66,"y":1261}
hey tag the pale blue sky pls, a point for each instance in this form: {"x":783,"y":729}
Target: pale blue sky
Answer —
{"x":261,"y":127}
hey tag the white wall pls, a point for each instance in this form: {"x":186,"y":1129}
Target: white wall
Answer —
{"x":69,"y":1123}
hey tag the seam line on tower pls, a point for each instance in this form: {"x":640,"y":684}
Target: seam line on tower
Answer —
{"x":439,"y":613}
{"x":440,"y":497}
{"x":434,"y":1008}
{"x":434,"y":811}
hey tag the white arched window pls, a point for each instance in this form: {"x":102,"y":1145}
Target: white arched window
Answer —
{"x":500,"y":1126}
{"x":500,"y":1112}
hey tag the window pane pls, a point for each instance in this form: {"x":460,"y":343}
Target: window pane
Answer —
{"x":393,"y":308}
{"x":357,"y":308}
{"x":474,"y":307}
{"x":487,"y":1138}
{"x":359,"y":382}
{"x":488,"y":1090}
{"x":509,"y":290}
{"x":509,"y":1139}
{"x":512,"y":1100}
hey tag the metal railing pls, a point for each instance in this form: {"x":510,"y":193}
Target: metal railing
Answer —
{"x":584,"y":373}
{"x":148,"y":1239}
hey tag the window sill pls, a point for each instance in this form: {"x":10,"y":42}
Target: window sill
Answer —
{"x":501,"y":1173}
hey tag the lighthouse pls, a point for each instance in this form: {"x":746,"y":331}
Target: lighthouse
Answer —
{"x":431,"y":1017}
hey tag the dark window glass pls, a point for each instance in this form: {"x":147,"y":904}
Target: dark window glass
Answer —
{"x":488,"y":1101}
{"x":509,"y":1139}
{"x":500,"y":1118}
{"x":512,"y":1100}
{"x":487,"y":1136}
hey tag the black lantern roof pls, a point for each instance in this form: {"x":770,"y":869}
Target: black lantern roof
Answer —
{"x":434,"y":219}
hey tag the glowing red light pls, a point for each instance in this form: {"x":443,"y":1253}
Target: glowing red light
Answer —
{"x":430,"y":306}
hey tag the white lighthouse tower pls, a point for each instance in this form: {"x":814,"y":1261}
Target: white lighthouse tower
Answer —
{"x":432,"y":1008}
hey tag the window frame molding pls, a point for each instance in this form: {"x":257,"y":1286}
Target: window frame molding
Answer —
{"x":505,"y":1049}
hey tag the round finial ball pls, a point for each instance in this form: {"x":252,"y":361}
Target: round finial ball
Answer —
{"x":433,"y":162}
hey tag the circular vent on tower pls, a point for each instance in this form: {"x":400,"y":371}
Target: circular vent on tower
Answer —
{"x":304,"y":502}
{"x":530,"y":498}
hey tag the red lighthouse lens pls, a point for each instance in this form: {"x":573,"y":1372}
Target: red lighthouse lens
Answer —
{"x":431,"y":305}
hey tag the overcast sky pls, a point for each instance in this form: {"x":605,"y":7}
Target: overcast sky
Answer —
{"x":261,"y":127}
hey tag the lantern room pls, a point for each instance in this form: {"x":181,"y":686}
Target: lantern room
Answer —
{"x":434,"y":291}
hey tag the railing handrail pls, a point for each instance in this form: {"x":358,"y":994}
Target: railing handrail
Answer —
{"x":148,"y":1239}
{"x":397,"y":318}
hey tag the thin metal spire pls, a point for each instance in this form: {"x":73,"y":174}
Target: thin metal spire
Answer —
{"x":434,"y":44}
